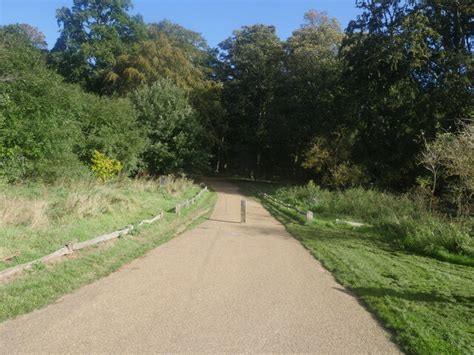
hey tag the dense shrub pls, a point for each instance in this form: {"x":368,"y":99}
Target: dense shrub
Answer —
{"x":110,"y":126}
{"x":172,"y":127}
{"x":49,"y":129}
{"x":103,"y":167}
{"x":450,"y":161}
{"x":37,"y":132}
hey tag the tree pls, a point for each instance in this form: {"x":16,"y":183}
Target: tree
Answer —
{"x":190,"y":42}
{"x":252,"y":63}
{"x":398,"y":82}
{"x":32,"y":34}
{"x":110,"y":126}
{"x":48,"y":128}
{"x":93,"y":34}
{"x":150,"y":61}
{"x":329,"y":158}
{"x":312,"y":78}
{"x":37,"y":133}
{"x":171,"y":124}
{"x":450,"y":158}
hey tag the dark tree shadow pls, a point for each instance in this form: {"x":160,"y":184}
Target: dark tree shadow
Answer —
{"x":380,"y":292}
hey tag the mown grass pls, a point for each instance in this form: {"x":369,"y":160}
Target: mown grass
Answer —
{"x":46,"y":283}
{"x":427,"y":303}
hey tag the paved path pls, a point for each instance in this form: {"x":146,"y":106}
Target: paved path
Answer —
{"x":222,"y":287}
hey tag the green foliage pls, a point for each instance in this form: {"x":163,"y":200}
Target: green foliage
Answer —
{"x":32,"y":34}
{"x":400,"y":219}
{"x":402,"y":68}
{"x":251,"y":66}
{"x":110,"y":125}
{"x":49,"y":129}
{"x":346,"y":109}
{"x":103,"y":167}
{"x":312,"y":72}
{"x":330,"y":159}
{"x":450,"y":158}
{"x":406,"y":71}
{"x":37,"y":129}
{"x":172,"y":127}
{"x":93,"y":34}
{"x":150,"y":61}
{"x":192,"y":43}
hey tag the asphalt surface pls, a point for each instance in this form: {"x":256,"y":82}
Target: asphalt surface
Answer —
{"x":221,"y":287}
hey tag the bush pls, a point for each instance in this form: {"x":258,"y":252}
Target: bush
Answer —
{"x":49,"y":129}
{"x":330,"y":159}
{"x":450,"y":160}
{"x":37,"y":132}
{"x":174,"y":132}
{"x":110,"y":125}
{"x":105,"y":168}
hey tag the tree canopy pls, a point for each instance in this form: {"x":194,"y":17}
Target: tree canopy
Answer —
{"x":352,"y":107}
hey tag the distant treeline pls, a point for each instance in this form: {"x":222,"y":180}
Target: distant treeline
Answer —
{"x":353,"y":107}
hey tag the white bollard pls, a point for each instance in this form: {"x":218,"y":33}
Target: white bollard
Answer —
{"x":243,"y":211}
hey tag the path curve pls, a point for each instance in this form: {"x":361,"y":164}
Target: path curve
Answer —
{"x":221,"y":287}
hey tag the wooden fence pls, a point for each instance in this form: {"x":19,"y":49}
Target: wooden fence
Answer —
{"x":308,"y":214}
{"x":73,"y":247}
{"x":188,"y":203}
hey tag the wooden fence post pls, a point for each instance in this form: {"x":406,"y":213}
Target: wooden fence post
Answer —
{"x":243,"y":211}
{"x":178,"y":209}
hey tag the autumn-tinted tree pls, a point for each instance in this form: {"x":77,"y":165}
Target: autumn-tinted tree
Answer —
{"x":150,"y":61}
{"x":182,"y":56}
{"x":190,"y":42}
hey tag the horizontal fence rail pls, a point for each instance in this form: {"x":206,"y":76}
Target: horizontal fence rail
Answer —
{"x":73,"y":247}
{"x":309,"y":215}
{"x":188,"y":203}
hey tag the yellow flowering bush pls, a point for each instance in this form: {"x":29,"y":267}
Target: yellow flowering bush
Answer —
{"x":103,"y":167}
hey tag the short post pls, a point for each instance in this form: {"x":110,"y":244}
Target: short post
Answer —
{"x":178,"y":209}
{"x":70,"y":248}
{"x":243,"y":211}
{"x":309,"y":216}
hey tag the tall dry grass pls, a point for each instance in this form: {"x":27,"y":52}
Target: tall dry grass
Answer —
{"x":82,"y":199}
{"x":23,"y":212}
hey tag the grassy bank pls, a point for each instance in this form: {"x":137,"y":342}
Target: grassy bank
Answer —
{"x":428,"y":303}
{"x":115,"y":206}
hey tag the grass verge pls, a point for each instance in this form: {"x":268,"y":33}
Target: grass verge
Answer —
{"x":37,"y":219}
{"x":46,"y":283}
{"x":427,"y":303}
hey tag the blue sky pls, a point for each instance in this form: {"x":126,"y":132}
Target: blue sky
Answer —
{"x":215,"y":19}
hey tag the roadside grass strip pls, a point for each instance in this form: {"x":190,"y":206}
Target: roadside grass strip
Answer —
{"x":426,"y":303}
{"x":44,"y":283}
{"x":70,"y":248}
